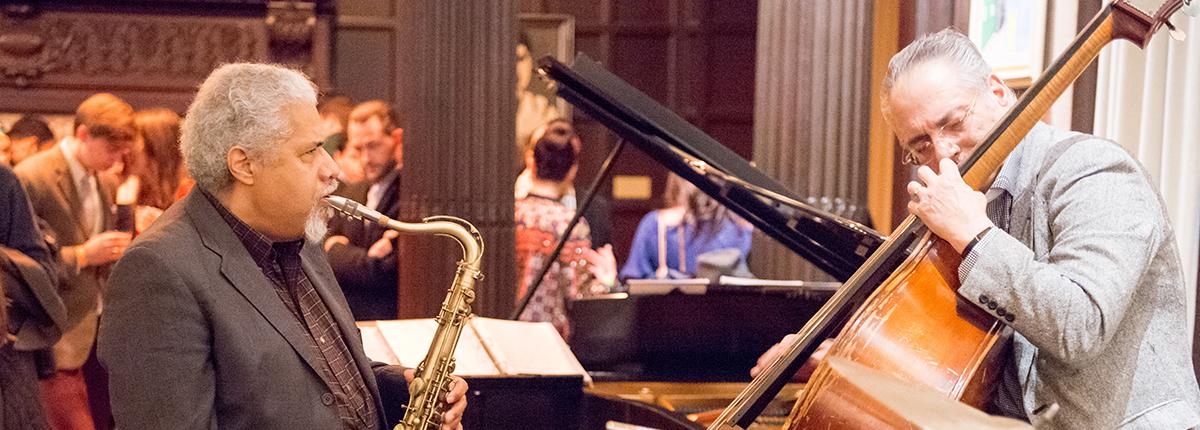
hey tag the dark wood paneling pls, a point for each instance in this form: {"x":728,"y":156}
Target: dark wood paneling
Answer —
{"x":364,"y":67}
{"x":366,"y":8}
{"x":585,"y":11}
{"x":629,"y":55}
{"x":642,"y":11}
{"x":812,"y":131}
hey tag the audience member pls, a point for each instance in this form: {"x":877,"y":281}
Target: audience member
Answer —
{"x":335,"y":118}
{"x":541,"y":220}
{"x":30,"y":135}
{"x":363,"y":254}
{"x":335,"y":114}
{"x":669,"y":241}
{"x":69,"y":190}
{"x":5,"y":148}
{"x":154,"y":173}
{"x":32,"y":315}
{"x":597,"y":212}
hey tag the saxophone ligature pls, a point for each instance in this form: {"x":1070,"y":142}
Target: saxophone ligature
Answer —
{"x":432,"y":380}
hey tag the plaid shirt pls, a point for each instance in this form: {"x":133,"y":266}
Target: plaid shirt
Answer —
{"x":280,"y":261}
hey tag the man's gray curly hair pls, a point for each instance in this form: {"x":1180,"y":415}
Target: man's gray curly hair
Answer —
{"x":244,"y":105}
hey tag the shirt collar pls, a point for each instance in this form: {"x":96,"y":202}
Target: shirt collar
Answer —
{"x":262,"y":249}
{"x":1009,"y":177}
{"x":69,"y":145}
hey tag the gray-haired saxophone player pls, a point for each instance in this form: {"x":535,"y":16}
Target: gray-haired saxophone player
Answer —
{"x":225,"y":313}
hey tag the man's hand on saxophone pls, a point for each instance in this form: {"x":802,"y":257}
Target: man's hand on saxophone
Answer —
{"x":456,"y":399}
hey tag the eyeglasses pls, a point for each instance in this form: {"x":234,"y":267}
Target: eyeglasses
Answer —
{"x":912,"y":153}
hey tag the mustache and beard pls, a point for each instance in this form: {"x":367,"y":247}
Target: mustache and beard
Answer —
{"x":317,"y":224}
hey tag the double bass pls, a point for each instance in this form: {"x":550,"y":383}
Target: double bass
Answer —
{"x":901,"y":311}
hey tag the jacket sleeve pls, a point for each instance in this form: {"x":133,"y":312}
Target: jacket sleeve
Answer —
{"x":1106,"y":223}
{"x":155,"y":343}
{"x":19,"y":229}
{"x":354,"y":269}
{"x":393,"y":390}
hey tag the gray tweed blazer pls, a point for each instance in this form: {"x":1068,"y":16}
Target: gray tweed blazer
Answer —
{"x":1089,"y":277}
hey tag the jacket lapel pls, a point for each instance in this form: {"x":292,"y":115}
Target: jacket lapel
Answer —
{"x":239,"y":269}
{"x":66,"y":186}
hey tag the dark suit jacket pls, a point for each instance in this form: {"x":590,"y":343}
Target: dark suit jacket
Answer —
{"x":30,"y":272}
{"x":47,"y":178}
{"x":35,"y":312}
{"x":370,"y":284}
{"x":194,"y":335}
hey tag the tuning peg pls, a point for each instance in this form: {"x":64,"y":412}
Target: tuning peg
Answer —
{"x":1176,"y":33}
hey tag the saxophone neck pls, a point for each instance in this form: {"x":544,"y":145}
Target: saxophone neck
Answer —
{"x":465,"y":233}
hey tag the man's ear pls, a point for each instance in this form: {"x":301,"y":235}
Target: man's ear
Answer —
{"x":398,"y":146}
{"x":1001,"y":91}
{"x":240,"y":166}
{"x":81,"y":132}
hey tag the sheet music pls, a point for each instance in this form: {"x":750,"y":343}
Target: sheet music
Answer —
{"x":409,"y":341}
{"x":487,"y":347}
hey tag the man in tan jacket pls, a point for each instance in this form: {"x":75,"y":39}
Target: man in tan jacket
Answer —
{"x":68,"y":188}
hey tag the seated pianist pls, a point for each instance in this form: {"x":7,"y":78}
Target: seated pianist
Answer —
{"x":670,"y":241}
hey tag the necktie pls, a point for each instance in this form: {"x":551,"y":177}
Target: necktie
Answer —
{"x":89,"y":202}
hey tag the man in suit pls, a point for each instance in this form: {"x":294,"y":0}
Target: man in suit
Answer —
{"x":225,"y":313}
{"x":361,"y":253}
{"x":35,"y":313}
{"x":30,"y":135}
{"x":70,"y":191}
{"x":1071,"y":247}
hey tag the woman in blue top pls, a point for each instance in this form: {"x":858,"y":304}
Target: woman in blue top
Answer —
{"x":668,"y":240}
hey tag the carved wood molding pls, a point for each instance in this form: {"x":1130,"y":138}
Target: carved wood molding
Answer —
{"x":53,"y":55}
{"x":123,"y":50}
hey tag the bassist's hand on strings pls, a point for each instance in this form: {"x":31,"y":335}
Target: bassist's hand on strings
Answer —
{"x":950,"y":208}
{"x":806,"y":369}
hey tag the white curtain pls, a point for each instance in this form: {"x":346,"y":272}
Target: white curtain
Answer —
{"x":1149,"y":101}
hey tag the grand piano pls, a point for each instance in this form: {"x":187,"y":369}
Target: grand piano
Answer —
{"x":655,"y":359}
{"x":683,"y":352}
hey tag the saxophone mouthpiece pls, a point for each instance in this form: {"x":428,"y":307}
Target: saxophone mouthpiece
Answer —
{"x":351,"y":208}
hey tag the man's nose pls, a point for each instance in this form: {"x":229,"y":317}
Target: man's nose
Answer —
{"x":945,"y":147}
{"x":329,"y":168}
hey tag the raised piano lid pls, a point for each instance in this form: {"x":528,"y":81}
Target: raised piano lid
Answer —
{"x":834,"y":244}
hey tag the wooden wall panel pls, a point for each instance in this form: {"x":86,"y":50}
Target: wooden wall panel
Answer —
{"x":811,"y":113}
{"x":642,"y":11}
{"x":364,"y":67}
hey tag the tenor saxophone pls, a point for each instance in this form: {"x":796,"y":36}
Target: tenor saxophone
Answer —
{"x":432,"y":380}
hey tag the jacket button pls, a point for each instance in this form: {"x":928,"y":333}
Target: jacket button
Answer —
{"x":1001,"y":312}
{"x":1009,"y":318}
{"x":984,"y":299}
{"x":991,"y":305}
{"x":327,"y":399}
